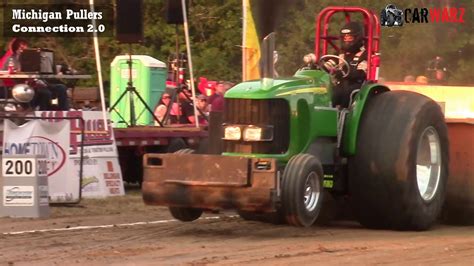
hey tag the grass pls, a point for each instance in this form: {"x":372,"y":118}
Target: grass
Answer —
{"x":131,"y":203}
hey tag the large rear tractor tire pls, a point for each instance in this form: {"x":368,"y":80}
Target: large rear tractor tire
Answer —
{"x":302,"y":190}
{"x":185,"y":214}
{"x":399,"y":173}
{"x":330,"y":209}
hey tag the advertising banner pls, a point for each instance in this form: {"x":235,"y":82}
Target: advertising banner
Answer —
{"x":102,"y":176}
{"x":38,"y":137}
{"x":59,"y":140}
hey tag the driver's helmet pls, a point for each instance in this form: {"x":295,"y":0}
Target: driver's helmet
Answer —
{"x":352,"y":37}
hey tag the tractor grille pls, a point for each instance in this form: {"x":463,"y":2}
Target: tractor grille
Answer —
{"x":274,"y":112}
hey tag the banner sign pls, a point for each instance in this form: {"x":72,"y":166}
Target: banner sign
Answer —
{"x":97,"y":141}
{"x":102,"y":176}
{"x":51,"y":140}
{"x":59,"y":140}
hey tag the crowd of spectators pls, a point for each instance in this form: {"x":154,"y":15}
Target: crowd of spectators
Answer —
{"x":436,"y":72}
{"x":176,"y":105}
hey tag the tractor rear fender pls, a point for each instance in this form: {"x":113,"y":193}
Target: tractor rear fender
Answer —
{"x":351,"y":126}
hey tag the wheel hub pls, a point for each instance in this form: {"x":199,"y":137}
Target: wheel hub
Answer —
{"x":428,"y":164}
{"x":311,"y":192}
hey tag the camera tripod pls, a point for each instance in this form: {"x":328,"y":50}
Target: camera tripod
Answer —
{"x":131,"y":90}
{"x":175,"y":99}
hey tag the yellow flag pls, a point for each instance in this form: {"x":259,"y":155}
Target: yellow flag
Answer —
{"x":250,"y":45}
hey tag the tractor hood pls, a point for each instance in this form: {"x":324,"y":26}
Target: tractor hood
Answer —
{"x":302,"y":81}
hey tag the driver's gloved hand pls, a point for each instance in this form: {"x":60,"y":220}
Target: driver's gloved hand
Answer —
{"x":330,"y":65}
{"x":309,"y":59}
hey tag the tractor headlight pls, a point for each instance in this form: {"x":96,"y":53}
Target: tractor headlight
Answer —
{"x":257,"y":133}
{"x":248,"y":132}
{"x":232,"y":133}
{"x":252,"y":133}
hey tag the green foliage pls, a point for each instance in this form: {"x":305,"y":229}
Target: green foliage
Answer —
{"x":216,"y":30}
{"x":405,"y":50}
{"x":216,"y":37}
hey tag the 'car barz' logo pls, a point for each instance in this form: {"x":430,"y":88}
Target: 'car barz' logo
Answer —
{"x":392,"y":16}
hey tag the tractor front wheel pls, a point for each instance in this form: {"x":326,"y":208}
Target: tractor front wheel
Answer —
{"x":185,"y":214}
{"x":302,"y":190}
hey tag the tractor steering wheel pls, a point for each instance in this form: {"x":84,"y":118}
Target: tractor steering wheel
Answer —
{"x":343,"y":65}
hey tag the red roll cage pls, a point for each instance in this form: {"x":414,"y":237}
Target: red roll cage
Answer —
{"x":371,"y":31}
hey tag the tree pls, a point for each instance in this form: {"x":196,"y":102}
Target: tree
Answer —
{"x":216,"y":30}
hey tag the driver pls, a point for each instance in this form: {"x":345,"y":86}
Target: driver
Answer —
{"x":353,"y":51}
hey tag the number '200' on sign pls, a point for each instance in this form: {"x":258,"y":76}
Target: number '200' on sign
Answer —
{"x":23,"y":167}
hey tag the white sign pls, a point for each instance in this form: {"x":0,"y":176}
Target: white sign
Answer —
{"x":51,"y":140}
{"x":18,"y":167}
{"x":60,"y":140}
{"x":102,"y":176}
{"x":18,"y":196}
{"x":27,"y":167}
{"x":97,"y":141}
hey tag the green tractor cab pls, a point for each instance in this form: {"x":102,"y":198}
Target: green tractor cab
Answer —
{"x":287,"y":151}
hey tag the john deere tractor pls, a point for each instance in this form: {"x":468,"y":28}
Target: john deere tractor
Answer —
{"x":286,"y":148}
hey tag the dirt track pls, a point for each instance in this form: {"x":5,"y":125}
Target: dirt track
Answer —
{"x":224,"y":240}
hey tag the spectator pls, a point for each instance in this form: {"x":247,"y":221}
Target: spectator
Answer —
{"x":186,"y":107}
{"x":15,"y":48}
{"x":436,"y":70}
{"x":162,"y":108}
{"x":44,"y":92}
{"x":422,"y":80}
{"x":216,"y":100}
{"x":202,"y":105}
{"x":409,"y":79}
{"x":18,"y":45}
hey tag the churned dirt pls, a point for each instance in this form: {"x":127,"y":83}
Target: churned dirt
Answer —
{"x":122,"y":231}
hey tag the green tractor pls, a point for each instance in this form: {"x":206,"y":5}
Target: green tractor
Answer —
{"x":287,"y":150}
